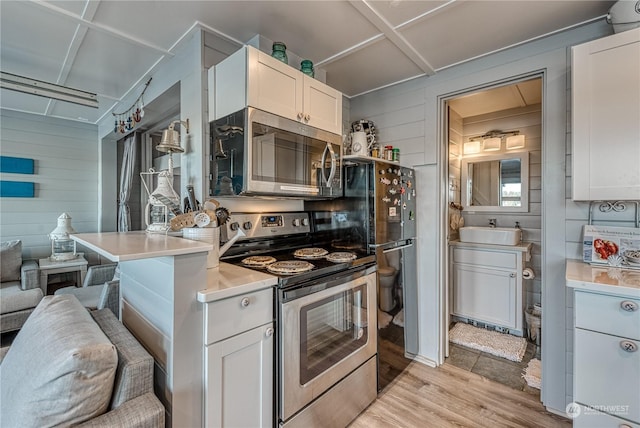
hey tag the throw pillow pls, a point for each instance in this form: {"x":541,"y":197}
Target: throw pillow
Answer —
{"x":60,"y":368}
{"x":10,"y":260}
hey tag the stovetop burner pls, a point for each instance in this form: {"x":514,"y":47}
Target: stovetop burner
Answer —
{"x":290,"y":267}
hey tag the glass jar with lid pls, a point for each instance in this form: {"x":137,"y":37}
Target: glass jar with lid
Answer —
{"x":279,"y":51}
{"x":306,"y":67}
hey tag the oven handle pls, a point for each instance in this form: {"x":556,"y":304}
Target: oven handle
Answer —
{"x":287,"y":295}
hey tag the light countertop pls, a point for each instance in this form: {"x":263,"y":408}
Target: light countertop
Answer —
{"x":229,"y":280}
{"x":124,"y":246}
{"x":603,"y":279}
{"x":525,"y":247}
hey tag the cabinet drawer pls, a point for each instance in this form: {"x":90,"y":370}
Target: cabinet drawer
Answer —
{"x":590,"y":418}
{"x":599,"y":312}
{"x":228,"y":317}
{"x":485,"y":258}
{"x":605,"y":375}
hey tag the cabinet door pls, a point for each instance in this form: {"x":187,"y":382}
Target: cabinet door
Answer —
{"x":487,"y":295}
{"x":606,"y":118}
{"x":605,"y":374}
{"x":322,"y":106}
{"x":239,"y":380}
{"x":274,"y":86}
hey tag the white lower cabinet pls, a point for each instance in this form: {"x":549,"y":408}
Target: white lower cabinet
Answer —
{"x":239,"y":366}
{"x":486,"y":284}
{"x":606,"y":373}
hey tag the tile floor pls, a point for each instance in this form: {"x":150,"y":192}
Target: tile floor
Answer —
{"x":492,"y":367}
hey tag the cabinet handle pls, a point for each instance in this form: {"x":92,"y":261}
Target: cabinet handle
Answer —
{"x":300,"y":115}
{"x":307,"y":118}
{"x":245,"y":302}
{"x":629,"y":306}
{"x":269,"y":332}
{"x":628,"y":346}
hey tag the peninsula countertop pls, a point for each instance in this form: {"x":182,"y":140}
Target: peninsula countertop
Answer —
{"x":603,"y":279}
{"x":229,"y":280}
{"x":125,"y":246}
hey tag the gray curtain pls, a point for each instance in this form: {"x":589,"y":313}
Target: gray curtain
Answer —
{"x":126,"y":180}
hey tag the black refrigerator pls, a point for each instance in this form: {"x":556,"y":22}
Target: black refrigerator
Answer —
{"x":383,"y":194}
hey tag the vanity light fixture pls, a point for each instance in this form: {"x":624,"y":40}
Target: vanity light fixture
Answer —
{"x":27,"y":85}
{"x":492,"y":144}
{"x":471,"y":147}
{"x":515,"y":142}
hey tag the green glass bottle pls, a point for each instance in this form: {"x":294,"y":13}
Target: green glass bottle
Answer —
{"x":279,"y":51}
{"x":306,"y":67}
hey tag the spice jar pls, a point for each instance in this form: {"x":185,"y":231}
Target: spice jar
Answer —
{"x":396,"y":155}
{"x":388,"y":152}
{"x":279,"y":51}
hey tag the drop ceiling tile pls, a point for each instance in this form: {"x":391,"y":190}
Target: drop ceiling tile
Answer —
{"x":23,"y":102}
{"x":36,"y":50}
{"x":108,"y":65}
{"x":374,"y":66}
{"x":74,"y":6}
{"x":80,"y":112}
{"x":477,"y":27}
{"x":400,"y":11}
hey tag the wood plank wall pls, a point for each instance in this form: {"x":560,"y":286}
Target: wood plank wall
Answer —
{"x":66,"y":178}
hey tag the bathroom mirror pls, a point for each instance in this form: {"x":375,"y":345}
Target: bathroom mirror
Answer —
{"x":496,"y":183}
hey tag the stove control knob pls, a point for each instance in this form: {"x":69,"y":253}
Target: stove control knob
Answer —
{"x":305,"y":222}
{"x":247,"y":226}
{"x":296,"y":222}
{"x":234,"y":226}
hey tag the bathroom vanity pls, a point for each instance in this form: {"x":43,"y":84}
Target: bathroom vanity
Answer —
{"x":486,"y":283}
{"x":606,"y":365}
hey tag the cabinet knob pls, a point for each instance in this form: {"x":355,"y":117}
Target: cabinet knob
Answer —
{"x":300,"y":115}
{"x":628,"y":346}
{"x":268,"y":332}
{"x":512,"y":275}
{"x":307,"y":117}
{"x":629,"y":306}
{"x":245,"y":302}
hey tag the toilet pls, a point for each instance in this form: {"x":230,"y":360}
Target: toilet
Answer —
{"x":387,"y":278}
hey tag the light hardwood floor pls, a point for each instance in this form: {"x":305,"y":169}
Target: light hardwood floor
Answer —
{"x":449,"y":396}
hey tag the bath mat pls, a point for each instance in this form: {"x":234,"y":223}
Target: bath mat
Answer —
{"x":533,"y":373}
{"x":383,"y":319}
{"x":399,"y":318}
{"x":499,"y":344}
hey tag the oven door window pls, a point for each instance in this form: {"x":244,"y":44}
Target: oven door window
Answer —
{"x":280,"y":156}
{"x":330,"y":330}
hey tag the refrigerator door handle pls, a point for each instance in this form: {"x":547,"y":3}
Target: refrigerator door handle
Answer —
{"x":402,"y":247}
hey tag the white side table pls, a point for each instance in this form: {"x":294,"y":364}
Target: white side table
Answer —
{"x":48,"y":267}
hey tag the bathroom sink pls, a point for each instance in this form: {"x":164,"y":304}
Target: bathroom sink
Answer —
{"x":490,"y":235}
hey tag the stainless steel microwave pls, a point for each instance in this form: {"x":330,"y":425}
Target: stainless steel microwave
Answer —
{"x":258,"y":153}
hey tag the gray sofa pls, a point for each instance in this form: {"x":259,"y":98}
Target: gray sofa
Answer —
{"x":19,"y":286}
{"x":68,"y":366}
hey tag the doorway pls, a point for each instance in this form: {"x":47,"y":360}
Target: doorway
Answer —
{"x":494,"y":175}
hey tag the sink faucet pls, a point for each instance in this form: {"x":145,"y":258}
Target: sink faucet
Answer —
{"x":492,"y":222}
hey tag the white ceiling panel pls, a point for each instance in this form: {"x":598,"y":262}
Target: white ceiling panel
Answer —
{"x":521,"y":94}
{"x":109,"y":65}
{"x":35,"y":50}
{"x":398,"y":12}
{"x":370,"y":67}
{"x":474,"y":28}
{"x":106,"y":46}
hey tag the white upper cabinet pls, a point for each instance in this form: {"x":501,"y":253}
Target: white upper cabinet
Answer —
{"x":606,"y":118}
{"x":253,"y":78}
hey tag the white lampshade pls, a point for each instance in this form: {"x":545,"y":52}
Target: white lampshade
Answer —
{"x":471,"y":147}
{"x":515,"y":142}
{"x":491,"y":144}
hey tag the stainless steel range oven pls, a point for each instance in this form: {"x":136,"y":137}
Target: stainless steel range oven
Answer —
{"x":326,"y":316}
